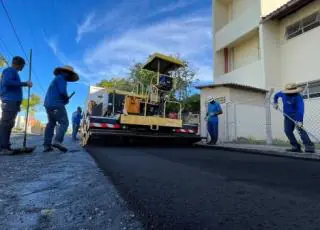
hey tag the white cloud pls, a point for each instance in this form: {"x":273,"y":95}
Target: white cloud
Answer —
{"x":120,"y":16}
{"x":86,"y":26}
{"x":82,"y":71}
{"x":189,"y":37}
{"x":172,"y":7}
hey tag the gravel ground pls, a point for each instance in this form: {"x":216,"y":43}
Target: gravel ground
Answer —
{"x":59,"y":191}
{"x":188,"y":188}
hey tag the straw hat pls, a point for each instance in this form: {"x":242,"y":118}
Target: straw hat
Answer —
{"x":210,"y":99}
{"x":73,"y":76}
{"x":292,"y":88}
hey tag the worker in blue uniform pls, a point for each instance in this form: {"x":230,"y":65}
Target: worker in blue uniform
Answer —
{"x":76,"y":120}
{"x":214,"y":110}
{"x":55,"y":101}
{"x":293,"y":106}
{"x":11,"y":97}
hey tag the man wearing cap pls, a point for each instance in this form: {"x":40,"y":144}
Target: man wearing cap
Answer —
{"x":76,"y":119}
{"x":293,"y":106}
{"x":214,"y":110}
{"x":55,"y":101}
{"x":11,"y":97}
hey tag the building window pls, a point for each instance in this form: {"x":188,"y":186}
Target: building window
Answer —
{"x":308,"y":23}
{"x":311,"y":89}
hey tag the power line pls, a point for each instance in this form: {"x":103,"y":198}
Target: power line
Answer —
{"x":19,"y":42}
{"x":6,"y":49}
{"x":14,"y":30}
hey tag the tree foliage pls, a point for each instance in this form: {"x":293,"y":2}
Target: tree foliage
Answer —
{"x":35,"y":100}
{"x":192,"y":103}
{"x":118,"y":83}
{"x":139,"y":75}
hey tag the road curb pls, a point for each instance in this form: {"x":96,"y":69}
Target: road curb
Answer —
{"x":299,"y":156}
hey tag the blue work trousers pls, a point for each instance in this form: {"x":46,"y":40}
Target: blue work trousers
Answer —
{"x":289,"y":127}
{"x":9,"y":114}
{"x":75,"y":130}
{"x":213,"y":129}
{"x":56,"y":116}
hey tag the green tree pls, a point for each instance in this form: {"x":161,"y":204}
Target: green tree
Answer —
{"x":185,"y":77}
{"x":137,"y":74}
{"x":117,"y":83}
{"x":192,"y":103}
{"x":35,"y":100}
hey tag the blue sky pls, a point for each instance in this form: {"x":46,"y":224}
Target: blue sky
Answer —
{"x":101,"y":39}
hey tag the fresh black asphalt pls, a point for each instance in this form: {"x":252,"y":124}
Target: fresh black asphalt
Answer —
{"x":191,"y":188}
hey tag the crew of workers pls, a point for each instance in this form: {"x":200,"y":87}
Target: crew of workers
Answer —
{"x":57,"y":98}
{"x":293,"y":111}
{"x":55,"y":103}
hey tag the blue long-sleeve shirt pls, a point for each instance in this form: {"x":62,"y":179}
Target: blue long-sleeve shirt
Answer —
{"x":76,"y":118}
{"x":11,"y":85}
{"x":57,"y":93}
{"x":213,"y":108}
{"x":293,"y":105}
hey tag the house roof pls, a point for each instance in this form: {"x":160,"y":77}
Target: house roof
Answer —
{"x":232,"y":85}
{"x":286,"y":9}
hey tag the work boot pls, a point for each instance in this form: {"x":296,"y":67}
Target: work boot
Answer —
{"x":60,"y":147}
{"x":211,"y":143}
{"x":6,"y":152}
{"x":47,"y":149}
{"x":309,"y":149}
{"x":294,"y":149}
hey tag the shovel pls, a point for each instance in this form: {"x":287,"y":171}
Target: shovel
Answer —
{"x":24,"y":148}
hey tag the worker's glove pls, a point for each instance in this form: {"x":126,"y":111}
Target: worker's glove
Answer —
{"x":276,"y":106}
{"x":299,"y":124}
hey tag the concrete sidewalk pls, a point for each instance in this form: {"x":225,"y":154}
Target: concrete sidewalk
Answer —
{"x":59,"y":191}
{"x":261,"y":149}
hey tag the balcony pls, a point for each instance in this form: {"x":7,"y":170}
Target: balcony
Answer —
{"x":251,"y":75}
{"x":239,"y":27}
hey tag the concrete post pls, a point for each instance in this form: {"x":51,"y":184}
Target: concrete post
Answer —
{"x":235,"y":122}
{"x":268,"y":116}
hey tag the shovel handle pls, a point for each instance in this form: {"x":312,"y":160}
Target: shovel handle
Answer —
{"x":72,"y":95}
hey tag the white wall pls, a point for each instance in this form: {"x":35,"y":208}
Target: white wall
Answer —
{"x":247,"y":97}
{"x":251,"y":121}
{"x":246,"y":52}
{"x":300,"y":55}
{"x":270,"y":53}
{"x":220,"y":15}
{"x":245,"y":23}
{"x":251,"y":75}
{"x":239,"y":7}
{"x":219,"y":63}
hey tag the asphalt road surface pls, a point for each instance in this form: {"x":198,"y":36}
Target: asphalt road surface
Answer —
{"x":191,"y":188}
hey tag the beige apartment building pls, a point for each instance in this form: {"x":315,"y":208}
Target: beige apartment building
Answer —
{"x":259,"y":45}
{"x":267,"y":43}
